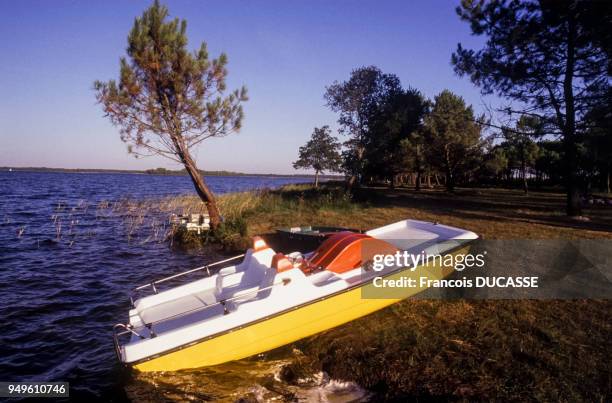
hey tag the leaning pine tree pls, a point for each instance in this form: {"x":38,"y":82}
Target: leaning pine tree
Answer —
{"x":168,"y":100}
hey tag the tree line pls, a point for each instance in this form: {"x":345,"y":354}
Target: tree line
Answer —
{"x":397,"y":136}
{"x":551,"y":59}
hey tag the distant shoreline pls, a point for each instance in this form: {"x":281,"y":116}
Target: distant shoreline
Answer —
{"x":158,"y":171}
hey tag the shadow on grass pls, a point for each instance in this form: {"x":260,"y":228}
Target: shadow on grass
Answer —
{"x":491,"y":204}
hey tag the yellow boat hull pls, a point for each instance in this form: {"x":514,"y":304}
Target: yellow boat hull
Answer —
{"x":290,"y":326}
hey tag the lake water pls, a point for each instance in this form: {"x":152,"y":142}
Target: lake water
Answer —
{"x":66,"y":269}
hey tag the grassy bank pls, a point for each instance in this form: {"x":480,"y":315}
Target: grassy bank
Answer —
{"x":504,"y":350}
{"x":492,"y":213}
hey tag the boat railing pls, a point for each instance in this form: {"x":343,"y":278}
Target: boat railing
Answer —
{"x":129,"y":329}
{"x":153,"y":285}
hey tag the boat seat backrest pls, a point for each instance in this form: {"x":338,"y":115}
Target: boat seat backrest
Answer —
{"x":251,"y":276}
{"x":245,"y":260}
{"x":263,"y":256}
{"x":281,"y":263}
{"x":266,"y":281}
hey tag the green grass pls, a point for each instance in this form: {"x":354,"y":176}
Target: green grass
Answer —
{"x":491,"y":213}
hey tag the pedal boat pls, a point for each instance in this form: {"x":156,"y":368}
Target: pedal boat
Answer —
{"x":269,"y":299}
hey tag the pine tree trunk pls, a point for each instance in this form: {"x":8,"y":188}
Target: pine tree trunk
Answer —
{"x":351,"y":182}
{"x":450,"y":180}
{"x":417,"y":163}
{"x":569,"y":129}
{"x":573,"y":197}
{"x":359,"y":177}
{"x":524,"y":175}
{"x":202,"y":189}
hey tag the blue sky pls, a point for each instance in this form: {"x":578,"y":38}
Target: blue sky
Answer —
{"x":285,"y":52}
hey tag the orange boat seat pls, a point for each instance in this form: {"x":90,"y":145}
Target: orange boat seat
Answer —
{"x":346,"y":251}
{"x":281,"y":263}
